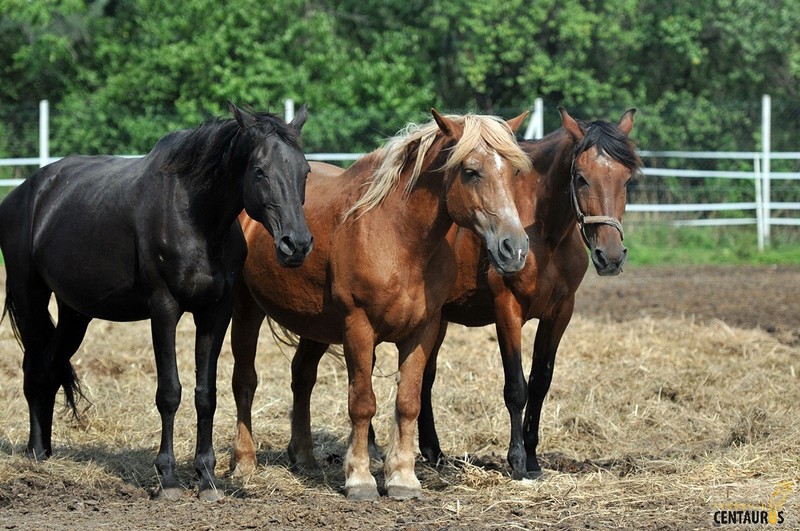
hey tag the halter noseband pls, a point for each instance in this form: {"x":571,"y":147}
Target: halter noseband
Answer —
{"x":583,"y":219}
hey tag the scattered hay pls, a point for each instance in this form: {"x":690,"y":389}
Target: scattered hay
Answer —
{"x":648,"y":424}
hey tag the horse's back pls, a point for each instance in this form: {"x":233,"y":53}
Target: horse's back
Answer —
{"x":72,"y":223}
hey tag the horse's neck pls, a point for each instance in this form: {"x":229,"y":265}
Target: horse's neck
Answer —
{"x":422,"y":218}
{"x":215,"y":205}
{"x":554,"y":213}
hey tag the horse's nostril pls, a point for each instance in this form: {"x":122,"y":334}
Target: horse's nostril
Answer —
{"x":507,"y":247}
{"x":287,"y":245}
{"x":600,"y":258}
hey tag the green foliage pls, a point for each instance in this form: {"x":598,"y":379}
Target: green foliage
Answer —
{"x":121,"y":73}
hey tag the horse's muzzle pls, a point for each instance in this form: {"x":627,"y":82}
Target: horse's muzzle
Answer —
{"x":609,"y":264}
{"x":510,"y":255}
{"x":293,"y":250}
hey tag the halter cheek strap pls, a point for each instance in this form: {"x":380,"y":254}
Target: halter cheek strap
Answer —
{"x":583,"y":219}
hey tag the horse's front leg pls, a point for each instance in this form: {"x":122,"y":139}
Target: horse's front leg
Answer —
{"x":548,"y":337}
{"x":359,"y":341}
{"x":509,"y":321}
{"x":211,"y":326}
{"x":164,"y":316}
{"x":401,"y":480}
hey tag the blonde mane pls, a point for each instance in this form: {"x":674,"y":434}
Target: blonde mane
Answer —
{"x":491,"y":132}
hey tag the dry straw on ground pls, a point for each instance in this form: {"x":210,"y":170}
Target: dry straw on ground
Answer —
{"x":650,"y":423}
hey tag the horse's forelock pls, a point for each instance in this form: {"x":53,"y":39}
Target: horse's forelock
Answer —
{"x":493,"y":133}
{"x":609,"y":140}
{"x":268,"y":124}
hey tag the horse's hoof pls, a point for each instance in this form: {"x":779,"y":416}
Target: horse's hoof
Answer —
{"x":516,"y":475}
{"x":210,"y":495}
{"x":306,"y":466}
{"x":531,"y":474}
{"x":401,"y":492}
{"x":362,"y":493}
{"x":433,"y":457}
{"x":242,"y":470}
{"x":170,"y":493}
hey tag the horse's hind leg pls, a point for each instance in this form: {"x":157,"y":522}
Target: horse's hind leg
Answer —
{"x":29,"y":314}
{"x":245,"y":329}
{"x":428,"y":438}
{"x":304,"y":375}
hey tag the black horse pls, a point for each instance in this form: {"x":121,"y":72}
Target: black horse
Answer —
{"x":131,"y":239}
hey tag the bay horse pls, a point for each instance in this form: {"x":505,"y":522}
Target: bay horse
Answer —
{"x":126,"y":239}
{"x":381,"y":271}
{"x":582,"y":168}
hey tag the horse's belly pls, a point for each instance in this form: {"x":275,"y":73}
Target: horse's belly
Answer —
{"x":113,"y":303}
{"x":102,"y":286}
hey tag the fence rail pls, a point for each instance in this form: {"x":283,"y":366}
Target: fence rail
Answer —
{"x":761,"y":176}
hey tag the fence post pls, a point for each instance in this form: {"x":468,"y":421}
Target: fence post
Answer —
{"x":288,"y":110}
{"x":759,"y":203}
{"x":44,"y":133}
{"x":535,"y":128}
{"x":766,"y":119}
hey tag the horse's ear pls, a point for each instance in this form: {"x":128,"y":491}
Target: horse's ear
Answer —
{"x":626,"y":121}
{"x":516,"y":123}
{"x":572,"y":127}
{"x":299,"y":118}
{"x":244,"y":119}
{"x":446,"y":125}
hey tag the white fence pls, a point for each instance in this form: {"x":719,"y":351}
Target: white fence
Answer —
{"x":763,"y":208}
{"x":761,"y":174}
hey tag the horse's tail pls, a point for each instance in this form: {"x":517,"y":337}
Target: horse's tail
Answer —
{"x":281,"y":334}
{"x":64,"y":373}
{"x":284,"y":336}
{"x":8,"y":308}
{"x":72,"y":388}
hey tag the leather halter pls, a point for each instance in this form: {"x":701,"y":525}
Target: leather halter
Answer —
{"x":583,"y":219}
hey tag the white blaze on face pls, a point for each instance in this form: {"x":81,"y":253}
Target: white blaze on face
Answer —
{"x":509,"y":211}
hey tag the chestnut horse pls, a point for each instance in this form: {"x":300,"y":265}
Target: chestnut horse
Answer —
{"x":574,"y":195}
{"x":381,"y":271}
{"x":130,"y":239}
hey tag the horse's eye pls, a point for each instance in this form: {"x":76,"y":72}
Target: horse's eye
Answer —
{"x":259,"y":172}
{"x":471,"y":175}
{"x":581,"y":181}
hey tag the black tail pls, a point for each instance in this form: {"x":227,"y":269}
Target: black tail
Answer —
{"x":9,"y":309}
{"x":64,"y":373}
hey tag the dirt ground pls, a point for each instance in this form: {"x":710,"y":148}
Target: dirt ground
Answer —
{"x":675,"y":392}
{"x":766,"y":297}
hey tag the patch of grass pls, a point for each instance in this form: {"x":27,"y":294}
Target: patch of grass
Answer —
{"x":651,"y":244}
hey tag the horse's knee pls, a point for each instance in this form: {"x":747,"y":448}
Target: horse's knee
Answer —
{"x":205,"y":400}
{"x":516,"y":395}
{"x":362,"y":404}
{"x":168,"y":398}
{"x":408,"y":406}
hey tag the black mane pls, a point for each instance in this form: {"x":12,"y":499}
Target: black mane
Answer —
{"x":205,"y":155}
{"x":608,"y":139}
